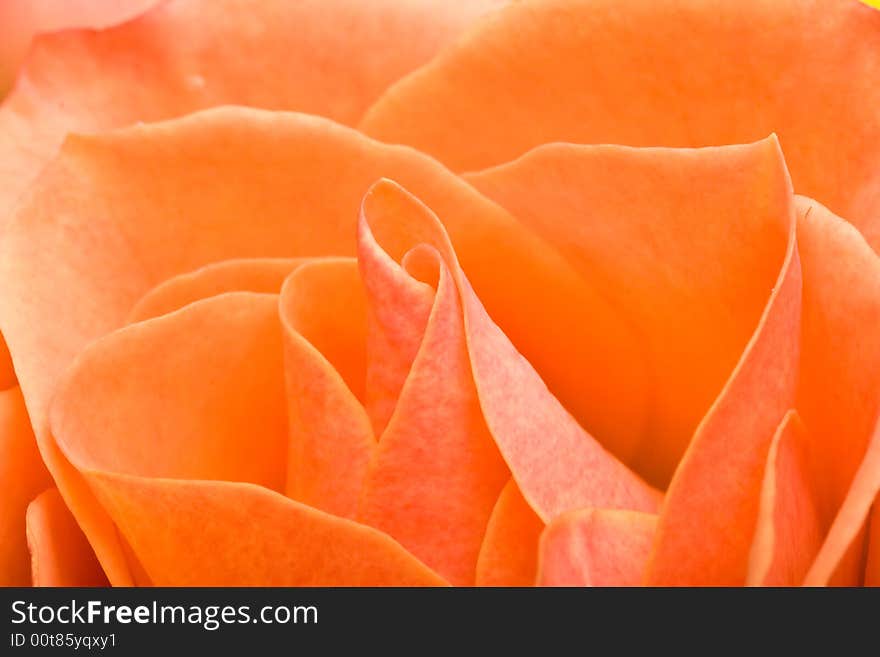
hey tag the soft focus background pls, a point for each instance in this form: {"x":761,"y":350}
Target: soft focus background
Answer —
{"x":21,"y":19}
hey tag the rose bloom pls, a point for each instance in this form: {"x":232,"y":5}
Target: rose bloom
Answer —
{"x":418,"y":292}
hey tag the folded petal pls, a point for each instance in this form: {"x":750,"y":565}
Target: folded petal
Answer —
{"x":60,"y":553}
{"x":196,"y":394}
{"x":243,"y":275}
{"x":681,"y":73}
{"x":557,"y":465}
{"x":331,"y":442}
{"x":185,"y":394}
{"x":596,"y":547}
{"x":686,"y":245}
{"x":509,"y":554}
{"x":325,"y":57}
{"x":696,"y":248}
{"x":398,"y":312}
{"x":189,"y":533}
{"x":713,"y":499}
{"x":839,"y":393}
{"x":436,"y":464}
{"x":24,"y":476}
{"x":209,"y":404}
{"x":114,"y":216}
{"x":787,"y":536}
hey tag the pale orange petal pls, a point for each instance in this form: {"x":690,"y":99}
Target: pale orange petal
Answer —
{"x":23,"y":476}
{"x":686,"y":245}
{"x":60,"y":553}
{"x":331,"y":442}
{"x":243,"y":275}
{"x":714,"y":496}
{"x":788,"y":536}
{"x":325,"y":57}
{"x":509,"y":554}
{"x":213,"y":533}
{"x":596,"y":547}
{"x":211,"y":382}
{"x":22,"y":19}
{"x":7,"y":371}
{"x":557,"y":465}
{"x":197,"y":394}
{"x":399,"y":309}
{"x":872,"y":563}
{"x":281,"y":185}
{"x":436,"y":464}
{"x":839,"y":395}
{"x":683,"y":73}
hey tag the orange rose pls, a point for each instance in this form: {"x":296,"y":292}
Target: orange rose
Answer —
{"x":278,"y":348}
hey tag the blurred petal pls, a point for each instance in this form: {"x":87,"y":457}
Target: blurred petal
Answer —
{"x":23,"y":476}
{"x":509,"y":554}
{"x":839,"y":394}
{"x":281,"y":185}
{"x":788,"y":536}
{"x":21,"y":19}
{"x":596,"y":547}
{"x":325,"y":57}
{"x":60,"y":553}
{"x":683,"y":73}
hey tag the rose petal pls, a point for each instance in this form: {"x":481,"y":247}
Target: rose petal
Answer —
{"x":228,"y":371}
{"x":436,"y":464}
{"x":243,"y":275}
{"x":399,"y":308}
{"x":7,"y":371}
{"x":714,"y":496}
{"x":204,"y":533}
{"x":841,"y":556}
{"x":788,"y":535}
{"x":326,"y":57}
{"x":331,"y":443}
{"x":839,"y":395}
{"x":509,"y":554}
{"x":282,"y":185}
{"x":24,"y":476}
{"x":682,"y":73}
{"x":596,"y":547}
{"x":60,"y":553}
{"x":21,"y":19}
{"x":690,"y":244}
{"x":872,"y":563}
{"x":213,"y":408}
{"x":556,"y":464}
{"x":197,"y":394}
{"x":687,"y":244}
